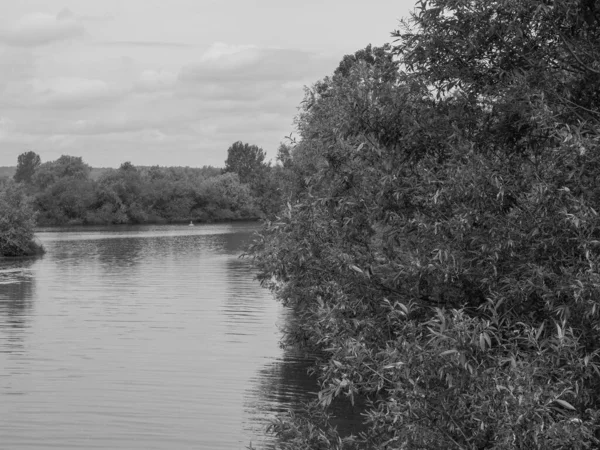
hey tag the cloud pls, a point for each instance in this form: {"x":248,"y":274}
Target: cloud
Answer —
{"x":111,"y":126}
{"x":39,"y":29}
{"x":86,"y":127}
{"x":61,"y":141}
{"x":145,"y":44}
{"x":220,"y":51}
{"x":70,"y":92}
{"x":232,"y":63}
{"x":58,"y":94}
{"x":97,"y":18}
{"x":16,"y":65}
{"x":7,"y":126}
{"x":106,"y":123}
{"x":162,"y":106}
{"x":156,"y":80}
{"x":249,"y":79}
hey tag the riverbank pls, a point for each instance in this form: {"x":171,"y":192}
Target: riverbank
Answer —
{"x":29,"y":250}
{"x":154,"y":221}
{"x":17,"y":221}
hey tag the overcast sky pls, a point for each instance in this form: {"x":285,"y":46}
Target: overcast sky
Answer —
{"x":169,"y":82}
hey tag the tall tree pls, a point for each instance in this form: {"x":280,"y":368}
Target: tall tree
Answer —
{"x":27,"y":163}
{"x":64,"y":190}
{"x":64,"y":167}
{"x":248,"y":161}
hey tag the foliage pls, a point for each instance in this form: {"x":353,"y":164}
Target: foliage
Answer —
{"x":62,"y":190}
{"x":230,"y":198}
{"x":302,"y":433}
{"x":65,"y":193}
{"x":441,"y":243}
{"x":65,"y":201}
{"x":69,"y":192}
{"x":265,"y":182}
{"x":246,"y":160}
{"x":17,"y":221}
{"x":27,"y":164}
{"x":65,"y":166}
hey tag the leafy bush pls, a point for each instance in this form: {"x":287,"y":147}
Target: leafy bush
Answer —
{"x":442,"y":245}
{"x":17,"y":221}
{"x":64,"y":194}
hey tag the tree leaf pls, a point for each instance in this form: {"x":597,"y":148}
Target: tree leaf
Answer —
{"x":356,"y":268}
{"x":565,"y":404}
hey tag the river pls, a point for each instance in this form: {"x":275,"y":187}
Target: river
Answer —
{"x":142,"y":337}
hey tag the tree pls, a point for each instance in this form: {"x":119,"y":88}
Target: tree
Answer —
{"x":17,"y":221}
{"x":64,"y":190}
{"x":443,"y":252}
{"x":515,"y":59}
{"x":120,"y":191}
{"x":245,"y":160}
{"x":27,"y":163}
{"x":65,"y":166}
{"x":284,"y":155}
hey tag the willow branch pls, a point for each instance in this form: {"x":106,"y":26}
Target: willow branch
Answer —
{"x":581,"y":63}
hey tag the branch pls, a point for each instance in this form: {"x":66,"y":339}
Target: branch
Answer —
{"x":378,"y":374}
{"x":581,"y":63}
{"x":575,"y":105}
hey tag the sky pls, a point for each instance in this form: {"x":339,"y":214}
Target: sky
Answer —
{"x":169,"y":82}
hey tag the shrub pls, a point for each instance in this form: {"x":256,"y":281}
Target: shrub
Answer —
{"x":17,"y":221}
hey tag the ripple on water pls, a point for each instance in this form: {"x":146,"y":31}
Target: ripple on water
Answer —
{"x":141,"y":338}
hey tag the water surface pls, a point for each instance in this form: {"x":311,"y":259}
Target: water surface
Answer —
{"x":149,"y":337}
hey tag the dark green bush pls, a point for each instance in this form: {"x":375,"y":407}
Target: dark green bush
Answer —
{"x":442,"y":241}
{"x":17,"y":221}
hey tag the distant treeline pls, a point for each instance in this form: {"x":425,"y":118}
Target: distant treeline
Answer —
{"x":67,"y":191}
{"x":8,"y":172}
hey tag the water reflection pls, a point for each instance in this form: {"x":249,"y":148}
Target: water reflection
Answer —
{"x":17,"y":285}
{"x":142,"y":338}
{"x":115,"y":255}
{"x":245,"y":304}
{"x":287,"y":384}
{"x":236,"y":242}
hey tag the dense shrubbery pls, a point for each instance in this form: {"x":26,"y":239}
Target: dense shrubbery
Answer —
{"x":442,"y":238}
{"x":64,"y":193}
{"x":17,"y":220}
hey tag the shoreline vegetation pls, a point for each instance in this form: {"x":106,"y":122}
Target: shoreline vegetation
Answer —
{"x":440,"y":236}
{"x":31,"y":249}
{"x":185,"y":222}
{"x":62,"y":193}
{"x":17,"y":222}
